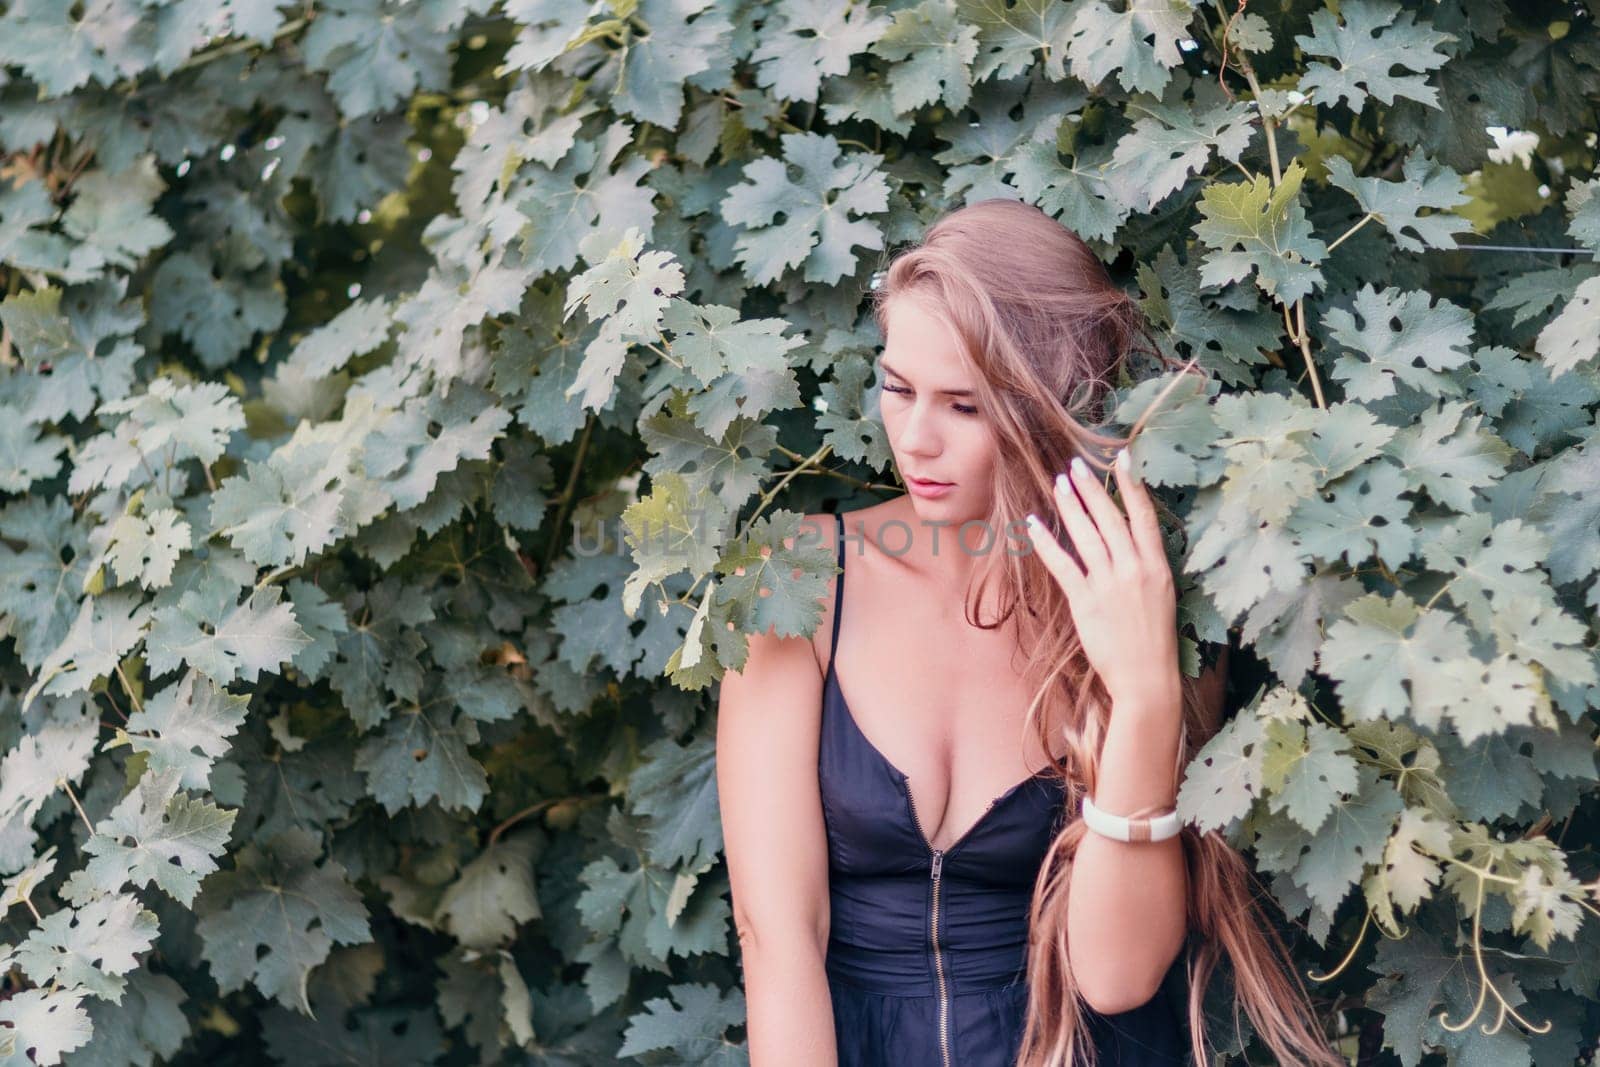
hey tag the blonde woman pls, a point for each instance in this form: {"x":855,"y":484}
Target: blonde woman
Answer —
{"x":903,"y":796}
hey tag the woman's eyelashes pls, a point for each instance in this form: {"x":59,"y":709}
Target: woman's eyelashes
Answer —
{"x":963,"y":408}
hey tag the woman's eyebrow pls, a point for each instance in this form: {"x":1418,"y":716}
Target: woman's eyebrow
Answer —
{"x":945,"y":392}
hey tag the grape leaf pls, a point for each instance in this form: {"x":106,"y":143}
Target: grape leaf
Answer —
{"x":62,"y":45}
{"x":217,"y":317}
{"x":1010,"y":33}
{"x":356,"y":330}
{"x":693,"y":1024}
{"x":224,"y":639}
{"x":1573,"y":337}
{"x":20,"y":886}
{"x":27,"y":454}
{"x":106,"y":629}
{"x":275,"y":917}
{"x":90,"y":947}
{"x":932,"y":53}
{"x":145,"y":548}
{"x":809,"y":40}
{"x":626,"y":293}
{"x":166,"y":424}
{"x":1224,"y":778}
{"x":1168,"y":144}
{"x":45,"y":1022}
{"x":300,"y":500}
{"x":192,"y":720}
{"x":1306,"y":768}
{"x":580,"y":199}
{"x":819,"y":228}
{"x":1360,"y":515}
{"x":1384,"y":658}
{"x":1140,"y":43}
{"x":81,"y":338}
{"x":676,"y":786}
{"x":377,"y":54}
{"x":1081,"y":194}
{"x":147,"y":1025}
{"x":1546,"y":908}
{"x":154,"y":834}
{"x":1448,"y":455}
{"x":1398,"y":205}
{"x":1375,"y":37}
{"x":380,"y":652}
{"x":1256,"y":229}
{"x":493,"y":895}
{"x":111,"y":213}
{"x":1327,"y":863}
{"x":687,"y":42}
{"x":29,"y":774}
{"x":420,"y":755}
{"x":1409,"y":872}
{"x":1401,"y":337}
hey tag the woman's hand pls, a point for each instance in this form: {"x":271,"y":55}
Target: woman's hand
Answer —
{"x":1122,"y":598}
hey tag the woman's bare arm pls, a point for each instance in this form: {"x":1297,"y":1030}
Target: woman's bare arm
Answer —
{"x":768,"y":722}
{"x":1127,"y":903}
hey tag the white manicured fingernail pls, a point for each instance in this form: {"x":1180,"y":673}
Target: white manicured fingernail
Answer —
{"x":1033,"y":521}
{"x":1122,"y":458}
{"x":1063,"y":486}
{"x":1079,"y":468}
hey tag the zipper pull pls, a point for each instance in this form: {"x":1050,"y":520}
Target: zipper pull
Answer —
{"x":938,"y":862}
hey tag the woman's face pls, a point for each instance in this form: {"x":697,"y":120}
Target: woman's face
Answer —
{"x":930,"y":410}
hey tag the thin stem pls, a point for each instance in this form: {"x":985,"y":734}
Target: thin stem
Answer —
{"x":1299,"y":332}
{"x":666,"y":356}
{"x":242,"y":44}
{"x":566,"y":494}
{"x":1483,"y":988}
{"x":112,"y":699}
{"x":1366,"y":921}
{"x":1305,"y":350}
{"x":1368,"y":217}
{"x":274,"y":575}
{"x":68,"y":787}
{"x":531,"y":809}
{"x":810,"y":462}
{"x":1486,"y":986}
{"x":127,"y":687}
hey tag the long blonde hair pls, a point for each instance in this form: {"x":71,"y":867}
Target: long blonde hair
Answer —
{"x":1044,"y":328}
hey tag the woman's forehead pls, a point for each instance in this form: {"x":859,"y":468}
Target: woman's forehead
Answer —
{"x":922,"y":345}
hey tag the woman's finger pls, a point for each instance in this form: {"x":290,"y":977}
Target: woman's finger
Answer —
{"x":1080,"y":527}
{"x":1141,"y":510}
{"x":1055,"y":558}
{"x":1108,"y":517}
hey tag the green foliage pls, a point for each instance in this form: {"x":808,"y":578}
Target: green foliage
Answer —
{"x":408,"y":410}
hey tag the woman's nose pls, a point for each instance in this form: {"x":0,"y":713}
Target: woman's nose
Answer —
{"x":918,"y":433}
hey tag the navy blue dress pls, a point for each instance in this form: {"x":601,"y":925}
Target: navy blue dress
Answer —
{"x":926,"y":948}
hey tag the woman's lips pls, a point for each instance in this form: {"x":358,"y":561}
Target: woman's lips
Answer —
{"x":929,"y":490}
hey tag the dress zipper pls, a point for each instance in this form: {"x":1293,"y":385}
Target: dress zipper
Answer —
{"x":936,"y":870}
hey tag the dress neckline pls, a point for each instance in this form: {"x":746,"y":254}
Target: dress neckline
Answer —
{"x":832,"y":680}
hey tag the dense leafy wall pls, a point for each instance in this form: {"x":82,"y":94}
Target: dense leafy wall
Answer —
{"x":350,"y":349}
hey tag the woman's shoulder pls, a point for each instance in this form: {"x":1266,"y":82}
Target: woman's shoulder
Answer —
{"x":823,"y":528}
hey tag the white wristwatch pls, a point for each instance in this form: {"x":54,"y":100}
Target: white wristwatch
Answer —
{"x":1120,"y":828}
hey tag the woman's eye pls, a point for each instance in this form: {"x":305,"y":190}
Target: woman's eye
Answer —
{"x":962,"y":408}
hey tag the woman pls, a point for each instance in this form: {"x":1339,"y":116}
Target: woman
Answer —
{"x":912,"y":880}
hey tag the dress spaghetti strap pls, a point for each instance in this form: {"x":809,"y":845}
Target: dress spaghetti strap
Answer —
{"x":838,"y":590}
